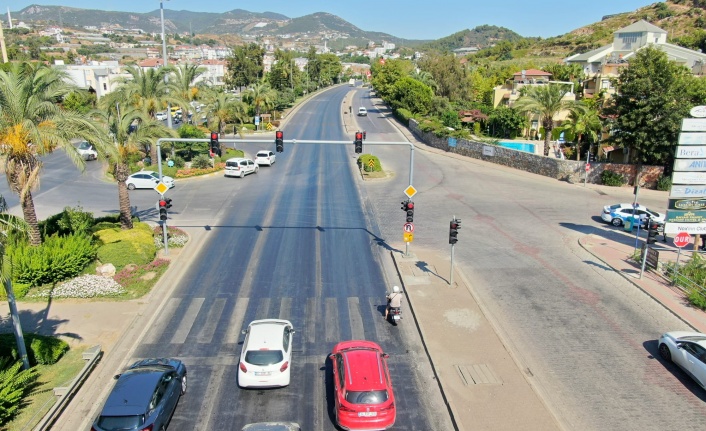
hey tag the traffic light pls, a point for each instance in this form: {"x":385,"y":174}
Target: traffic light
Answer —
{"x":215,"y":146}
{"x":365,"y":134}
{"x":358,"y":142}
{"x":169,"y":202}
{"x":652,"y":228}
{"x":408,"y":208}
{"x":591,"y":158}
{"x":454,"y":226}
{"x":279,"y":141}
{"x":163,"y":209}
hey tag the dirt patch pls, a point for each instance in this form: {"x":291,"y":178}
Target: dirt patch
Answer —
{"x":376,"y":175}
{"x":148,"y":276}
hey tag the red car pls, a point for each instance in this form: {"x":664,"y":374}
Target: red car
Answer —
{"x":362,"y":386}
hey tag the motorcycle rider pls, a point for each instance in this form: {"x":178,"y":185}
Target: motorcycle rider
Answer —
{"x":394,"y":300}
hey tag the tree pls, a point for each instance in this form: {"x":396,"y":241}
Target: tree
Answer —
{"x":222,"y":108}
{"x":386,"y":74}
{"x":506,"y":122}
{"x":582,"y":121}
{"x":32,"y":124}
{"x":284,"y":72}
{"x":147,"y":90}
{"x":245,"y":66}
{"x":410,"y":94}
{"x":127,"y":140}
{"x":545,"y":101}
{"x":448,"y":74}
{"x":186,"y":75}
{"x":653,"y":95}
{"x":260,"y":96}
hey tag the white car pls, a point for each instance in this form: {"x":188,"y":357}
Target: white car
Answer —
{"x":87,"y":151}
{"x":147,"y":180}
{"x":265,"y":360}
{"x":618,"y":214}
{"x":160,"y":116}
{"x":688,"y":351}
{"x":240,"y":167}
{"x":362,"y":112}
{"x":265,"y":157}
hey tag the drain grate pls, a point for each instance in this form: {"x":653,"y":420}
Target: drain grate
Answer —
{"x":477,"y":374}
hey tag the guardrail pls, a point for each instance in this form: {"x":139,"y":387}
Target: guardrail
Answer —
{"x":65,"y":393}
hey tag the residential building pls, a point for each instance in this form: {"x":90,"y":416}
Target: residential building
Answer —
{"x":604,"y":63}
{"x":99,"y":77}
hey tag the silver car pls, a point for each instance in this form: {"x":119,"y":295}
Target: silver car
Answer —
{"x":147,"y":180}
{"x":688,"y":351}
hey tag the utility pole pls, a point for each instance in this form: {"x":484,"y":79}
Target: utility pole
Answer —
{"x":2,"y":42}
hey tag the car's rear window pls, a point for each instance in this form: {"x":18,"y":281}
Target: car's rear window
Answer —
{"x":366,"y":397}
{"x":232,"y":164}
{"x":262,"y":154}
{"x":118,"y":423}
{"x":615,"y":207}
{"x":263,"y":357}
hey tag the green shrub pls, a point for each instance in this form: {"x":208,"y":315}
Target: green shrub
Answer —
{"x":71,"y":220}
{"x":179,"y":162}
{"x":664,"y":183}
{"x":58,"y":258}
{"x":201,"y":161}
{"x":20,"y":290}
{"x":364,"y":163}
{"x":41,"y":349}
{"x":123,"y":247}
{"x":476,"y":128}
{"x":15,"y":384}
{"x":105,"y":225}
{"x":611,"y":178}
{"x":404,"y":115}
{"x":113,"y":218}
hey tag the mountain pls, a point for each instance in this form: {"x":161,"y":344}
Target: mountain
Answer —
{"x":237,"y":21}
{"x":482,"y":36}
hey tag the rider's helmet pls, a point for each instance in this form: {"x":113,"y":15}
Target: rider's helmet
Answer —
{"x":395,"y":289}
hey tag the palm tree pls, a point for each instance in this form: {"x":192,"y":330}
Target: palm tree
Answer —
{"x":425,"y":78}
{"x":224,"y":107}
{"x":260,"y":97}
{"x":147,"y":90}
{"x":185,"y":77}
{"x":33,"y":123}
{"x":545,"y":101}
{"x":126,"y":142}
{"x":582,"y":121}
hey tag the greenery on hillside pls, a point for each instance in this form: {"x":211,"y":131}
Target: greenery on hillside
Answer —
{"x":482,"y":36}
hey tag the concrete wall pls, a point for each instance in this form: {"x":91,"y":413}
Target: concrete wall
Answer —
{"x":567,"y":170}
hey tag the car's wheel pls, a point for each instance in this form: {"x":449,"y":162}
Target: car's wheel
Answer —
{"x":131,"y":186}
{"x":183,"y":385}
{"x":257,"y":168}
{"x":163,"y":428}
{"x":242,"y":174}
{"x":665,"y":353}
{"x":617,"y":222}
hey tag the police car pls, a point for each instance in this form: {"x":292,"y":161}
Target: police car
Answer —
{"x":618,"y":214}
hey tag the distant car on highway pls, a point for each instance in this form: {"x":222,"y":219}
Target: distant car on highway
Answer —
{"x":265,"y":157}
{"x":618,"y":214}
{"x":363,"y":397}
{"x":362,"y":112}
{"x":87,"y":151}
{"x":144,"y":396}
{"x":160,"y":116}
{"x":265,"y":360}
{"x":688,"y":351}
{"x":147,"y":180}
{"x":240,"y":167}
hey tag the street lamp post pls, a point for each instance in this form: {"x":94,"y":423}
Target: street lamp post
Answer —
{"x":164,"y":58}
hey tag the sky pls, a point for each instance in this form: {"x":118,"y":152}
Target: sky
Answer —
{"x":408,"y":19}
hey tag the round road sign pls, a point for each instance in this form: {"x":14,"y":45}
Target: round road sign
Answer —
{"x":588,"y":167}
{"x":408,"y":227}
{"x":682,"y":239}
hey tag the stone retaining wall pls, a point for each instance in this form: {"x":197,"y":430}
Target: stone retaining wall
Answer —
{"x":567,"y":170}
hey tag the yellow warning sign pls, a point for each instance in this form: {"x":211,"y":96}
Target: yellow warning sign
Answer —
{"x":408,"y":237}
{"x":161,"y":188}
{"x":410,"y":191}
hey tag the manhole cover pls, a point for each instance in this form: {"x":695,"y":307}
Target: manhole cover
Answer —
{"x":477,"y":374}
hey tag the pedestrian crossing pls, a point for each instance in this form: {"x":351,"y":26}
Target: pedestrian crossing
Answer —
{"x":319,"y":322}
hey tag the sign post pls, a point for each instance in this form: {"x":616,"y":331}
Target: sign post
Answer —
{"x":681,"y":240}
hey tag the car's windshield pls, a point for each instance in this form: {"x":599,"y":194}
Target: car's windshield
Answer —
{"x":366,"y":397}
{"x":84,"y":146}
{"x":263,"y":357}
{"x":120,"y":423}
{"x":154,"y":174}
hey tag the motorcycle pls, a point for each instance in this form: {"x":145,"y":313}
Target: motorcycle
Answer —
{"x":395,"y":315}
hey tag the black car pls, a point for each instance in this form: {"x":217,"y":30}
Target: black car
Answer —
{"x":144,"y":396}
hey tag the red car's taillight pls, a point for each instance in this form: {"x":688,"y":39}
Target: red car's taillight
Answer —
{"x":243,"y":368}
{"x":284,"y":367}
{"x":347,"y":409}
{"x":386,"y":408}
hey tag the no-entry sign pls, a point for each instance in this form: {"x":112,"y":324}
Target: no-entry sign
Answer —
{"x":682,"y":239}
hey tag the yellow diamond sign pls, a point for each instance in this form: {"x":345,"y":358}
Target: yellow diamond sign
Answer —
{"x":161,"y":188}
{"x":410,"y":191}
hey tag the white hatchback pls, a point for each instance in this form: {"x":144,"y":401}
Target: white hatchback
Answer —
{"x":265,"y":360}
{"x":240,"y":167}
{"x":688,"y":351}
{"x":265,"y":157}
{"x":147,"y":180}
{"x":160,"y":116}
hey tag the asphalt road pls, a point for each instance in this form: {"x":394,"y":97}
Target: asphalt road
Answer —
{"x":294,"y":242}
{"x":302,"y":240}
